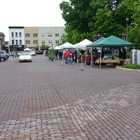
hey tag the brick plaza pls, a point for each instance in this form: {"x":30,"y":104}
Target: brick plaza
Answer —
{"x":45,"y":100}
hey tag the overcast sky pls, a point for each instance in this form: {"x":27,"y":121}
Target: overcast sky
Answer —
{"x":34,"y":13}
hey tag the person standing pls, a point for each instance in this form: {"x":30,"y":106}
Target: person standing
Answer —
{"x":71,"y":58}
{"x":120,"y":53}
{"x":60,"y":54}
{"x":102,"y":53}
{"x":124,"y":54}
{"x":75,"y":56}
{"x":95,"y":55}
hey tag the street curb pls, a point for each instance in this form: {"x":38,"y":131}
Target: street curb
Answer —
{"x":136,"y":70}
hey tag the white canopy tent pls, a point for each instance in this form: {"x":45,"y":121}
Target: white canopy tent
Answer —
{"x":82,"y":44}
{"x":67,"y":45}
{"x":53,"y":47}
{"x":27,"y":49}
{"x":57,"y":48}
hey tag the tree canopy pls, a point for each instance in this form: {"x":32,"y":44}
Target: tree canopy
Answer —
{"x":88,"y":18}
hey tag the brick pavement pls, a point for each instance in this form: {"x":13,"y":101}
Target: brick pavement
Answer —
{"x":50,"y":101}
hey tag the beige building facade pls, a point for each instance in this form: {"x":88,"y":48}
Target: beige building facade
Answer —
{"x":31,"y":37}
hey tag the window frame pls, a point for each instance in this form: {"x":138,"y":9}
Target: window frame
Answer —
{"x":27,"y":35}
{"x":27,"y":41}
{"x":50,"y":41}
{"x":12,"y":34}
{"x":35,"y":41}
{"x":56,"y":34}
{"x":20,"y":34}
{"x":35,"y":35}
{"x":49,"y":34}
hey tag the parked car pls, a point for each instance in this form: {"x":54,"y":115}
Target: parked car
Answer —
{"x":25,"y":56}
{"x":33,"y":53}
{"x":39,"y":52}
{"x":3,"y":55}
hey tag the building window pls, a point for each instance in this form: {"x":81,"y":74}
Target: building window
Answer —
{"x":27,"y":35}
{"x":35,"y":35}
{"x":27,"y":41}
{"x":16,"y":34}
{"x":50,"y":41}
{"x":12,"y":42}
{"x":49,"y":35}
{"x":63,"y":34}
{"x":56,"y":41}
{"x":43,"y":41}
{"x":43,"y":35}
{"x":35,"y":41}
{"x":20,"y":41}
{"x":56,"y":34}
{"x":16,"y":42}
{"x":12,"y":34}
{"x":20,"y":34}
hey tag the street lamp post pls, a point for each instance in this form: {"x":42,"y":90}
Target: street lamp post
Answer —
{"x":127,"y":19}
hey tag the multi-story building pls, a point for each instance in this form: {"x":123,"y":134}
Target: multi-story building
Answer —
{"x":2,"y":40}
{"x":50,"y":36}
{"x":31,"y":37}
{"x":34,"y":37}
{"x":16,"y":37}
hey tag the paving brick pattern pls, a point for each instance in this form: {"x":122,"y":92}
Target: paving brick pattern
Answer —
{"x":46,"y":100}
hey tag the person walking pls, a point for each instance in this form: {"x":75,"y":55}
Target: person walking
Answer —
{"x":71,"y":59}
{"x":66,"y":56}
{"x":14,"y":54}
{"x":60,"y":54}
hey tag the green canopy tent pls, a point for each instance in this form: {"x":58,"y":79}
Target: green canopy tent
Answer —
{"x":91,"y":46}
{"x":111,"y":41}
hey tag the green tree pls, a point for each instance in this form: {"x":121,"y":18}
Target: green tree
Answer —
{"x":134,"y":28}
{"x":43,"y":47}
{"x":86,"y":18}
{"x":13,"y":49}
{"x":74,"y":13}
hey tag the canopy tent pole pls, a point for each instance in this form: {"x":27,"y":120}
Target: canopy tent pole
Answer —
{"x":100,"y":56}
{"x":62,"y":59}
{"x":85,"y":56}
{"x":91,"y":57}
{"x":81,"y":62}
{"x":62,"y":56}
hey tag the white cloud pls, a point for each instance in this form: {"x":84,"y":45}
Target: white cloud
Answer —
{"x":30,"y":13}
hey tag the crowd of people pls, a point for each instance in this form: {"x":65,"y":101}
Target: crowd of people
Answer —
{"x":71,"y":55}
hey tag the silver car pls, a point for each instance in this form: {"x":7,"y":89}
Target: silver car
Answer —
{"x":3,"y":55}
{"x":25,"y":56}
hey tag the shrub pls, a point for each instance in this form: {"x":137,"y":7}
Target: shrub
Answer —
{"x":131,"y":66}
{"x":51,"y":54}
